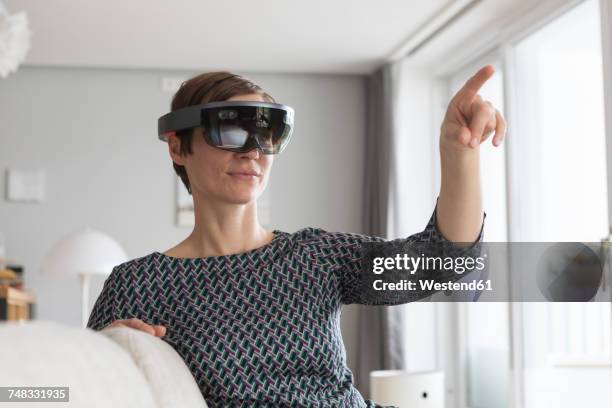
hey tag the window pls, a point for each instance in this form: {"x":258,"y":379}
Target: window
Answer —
{"x":541,"y":355}
{"x":561,"y":195}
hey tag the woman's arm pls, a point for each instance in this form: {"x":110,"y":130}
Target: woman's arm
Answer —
{"x":341,"y":254}
{"x":468,"y":122}
{"x":106,"y":308}
{"x":111,"y":307}
{"x":457,"y":223}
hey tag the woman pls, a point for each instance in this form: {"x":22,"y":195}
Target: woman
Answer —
{"x":255,"y":313}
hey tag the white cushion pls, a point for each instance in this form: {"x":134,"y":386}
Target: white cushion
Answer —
{"x":170,"y":380}
{"x":98,"y":371}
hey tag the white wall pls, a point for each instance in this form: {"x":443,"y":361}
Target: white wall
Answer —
{"x":94,"y":133}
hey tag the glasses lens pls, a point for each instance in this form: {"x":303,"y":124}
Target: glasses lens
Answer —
{"x":232,"y":128}
{"x":232,"y":136}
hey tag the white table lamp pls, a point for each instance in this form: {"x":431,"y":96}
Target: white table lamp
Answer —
{"x":406,"y":389}
{"x":83,"y":253}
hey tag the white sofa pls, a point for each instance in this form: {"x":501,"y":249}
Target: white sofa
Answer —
{"x":116,"y":367}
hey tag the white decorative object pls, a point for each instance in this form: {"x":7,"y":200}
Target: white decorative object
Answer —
{"x":407,"y":390}
{"x":25,"y":185}
{"x":84,"y":253}
{"x":14,"y":40}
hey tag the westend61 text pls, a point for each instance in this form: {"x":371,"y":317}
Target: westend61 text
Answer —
{"x":430,"y":285}
{"x":412,"y":264}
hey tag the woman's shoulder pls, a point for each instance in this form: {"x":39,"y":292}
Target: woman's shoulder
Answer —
{"x":133,"y":264}
{"x":322,"y":236}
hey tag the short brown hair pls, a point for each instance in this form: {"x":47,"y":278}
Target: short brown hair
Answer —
{"x":208,"y":87}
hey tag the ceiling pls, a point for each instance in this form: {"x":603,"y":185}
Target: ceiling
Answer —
{"x":314,"y":36}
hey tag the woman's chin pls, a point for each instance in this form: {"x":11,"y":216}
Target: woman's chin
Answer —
{"x":243,"y":198}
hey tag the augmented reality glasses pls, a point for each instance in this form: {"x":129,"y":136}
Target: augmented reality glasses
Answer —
{"x":237,"y":126}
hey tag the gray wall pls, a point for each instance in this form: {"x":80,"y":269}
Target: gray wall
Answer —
{"x":94,"y":133}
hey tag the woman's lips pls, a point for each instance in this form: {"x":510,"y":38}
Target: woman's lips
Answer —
{"x":244,"y":176}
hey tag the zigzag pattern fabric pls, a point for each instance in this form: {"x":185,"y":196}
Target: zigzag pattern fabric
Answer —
{"x":256,"y":329}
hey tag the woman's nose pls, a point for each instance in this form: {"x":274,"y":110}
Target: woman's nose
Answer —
{"x":251,"y":154}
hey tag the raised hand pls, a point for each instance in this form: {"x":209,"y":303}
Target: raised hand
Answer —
{"x":469,"y":119}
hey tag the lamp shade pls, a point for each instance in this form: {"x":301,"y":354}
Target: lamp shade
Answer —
{"x":83,"y":252}
{"x":406,"y":389}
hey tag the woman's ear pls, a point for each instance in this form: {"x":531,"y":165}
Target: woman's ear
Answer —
{"x":174,"y":147}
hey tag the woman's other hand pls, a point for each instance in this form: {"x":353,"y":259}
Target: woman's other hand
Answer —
{"x":135,"y":323}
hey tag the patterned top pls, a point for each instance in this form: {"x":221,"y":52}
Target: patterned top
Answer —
{"x":259,"y":328}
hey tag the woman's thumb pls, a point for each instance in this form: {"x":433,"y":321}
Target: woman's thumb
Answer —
{"x":160,"y":330}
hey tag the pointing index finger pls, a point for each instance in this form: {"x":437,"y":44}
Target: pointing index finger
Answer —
{"x":473,"y":85}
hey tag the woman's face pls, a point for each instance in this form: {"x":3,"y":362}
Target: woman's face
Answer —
{"x":211,"y":170}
